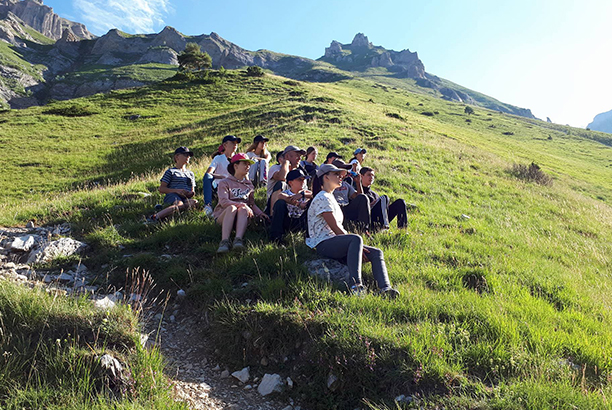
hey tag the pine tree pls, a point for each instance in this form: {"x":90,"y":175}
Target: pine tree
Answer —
{"x":193,"y":59}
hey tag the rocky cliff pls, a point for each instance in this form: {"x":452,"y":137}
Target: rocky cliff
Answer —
{"x":602,"y":122}
{"x":42,"y":18}
{"x":361,"y":54}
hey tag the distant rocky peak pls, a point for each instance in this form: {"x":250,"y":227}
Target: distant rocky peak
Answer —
{"x":361,"y":41}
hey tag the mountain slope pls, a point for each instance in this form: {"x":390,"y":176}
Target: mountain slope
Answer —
{"x":505,"y":283}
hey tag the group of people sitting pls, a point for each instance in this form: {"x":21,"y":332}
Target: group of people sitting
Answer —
{"x":325,"y":201}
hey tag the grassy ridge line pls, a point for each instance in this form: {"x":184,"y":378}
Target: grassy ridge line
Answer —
{"x":495,"y":308}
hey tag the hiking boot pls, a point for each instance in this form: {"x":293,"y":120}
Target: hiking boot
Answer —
{"x":208,"y":210}
{"x":358,"y":290}
{"x":151,"y":219}
{"x":238,"y":245}
{"x":389,"y":293}
{"x":224,"y":246}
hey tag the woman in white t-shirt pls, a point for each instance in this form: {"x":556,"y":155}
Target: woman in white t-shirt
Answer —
{"x":258,"y":152}
{"x":331,"y":240}
{"x":218,"y":169}
{"x":357,"y":161}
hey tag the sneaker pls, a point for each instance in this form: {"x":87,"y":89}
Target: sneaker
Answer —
{"x":208,"y":210}
{"x":358,"y":290}
{"x":238,"y":245}
{"x":224,"y":246}
{"x":151,"y":219}
{"x":389,"y":293}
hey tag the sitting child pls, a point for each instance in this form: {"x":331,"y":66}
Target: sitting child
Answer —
{"x":178,"y":183}
{"x":236,"y":203}
{"x":383,"y":211}
{"x":289,"y":212}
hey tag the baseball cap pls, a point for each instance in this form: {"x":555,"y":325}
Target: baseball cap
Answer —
{"x":326,"y":168}
{"x":360,"y":151}
{"x":333,"y":154}
{"x":231,"y":138}
{"x":291,"y":148}
{"x":259,"y":138}
{"x":183,"y":150}
{"x":341,"y":164}
{"x":241,"y":157}
{"x":295,"y":174}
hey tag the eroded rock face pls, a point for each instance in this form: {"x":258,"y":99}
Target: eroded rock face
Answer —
{"x":42,"y":18}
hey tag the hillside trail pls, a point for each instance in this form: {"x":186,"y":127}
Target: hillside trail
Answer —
{"x":196,"y":377}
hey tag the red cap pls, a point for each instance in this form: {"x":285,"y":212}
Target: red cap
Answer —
{"x":241,"y":157}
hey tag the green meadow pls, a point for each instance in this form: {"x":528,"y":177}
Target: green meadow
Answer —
{"x":505,"y":283}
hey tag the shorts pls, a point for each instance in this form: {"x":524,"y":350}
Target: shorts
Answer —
{"x":170,"y":199}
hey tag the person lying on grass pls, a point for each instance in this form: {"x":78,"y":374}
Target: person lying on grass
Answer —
{"x":178,"y":183}
{"x":331,"y":240}
{"x":236,"y":203}
{"x":218,"y":169}
{"x":382,"y":211}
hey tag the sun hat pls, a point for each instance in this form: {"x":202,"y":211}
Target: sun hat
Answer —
{"x":241,"y":157}
{"x":327,"y":168}
{"x":183,"y":150}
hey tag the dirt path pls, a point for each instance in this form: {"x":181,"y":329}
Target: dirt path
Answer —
{"x":197,"y":379}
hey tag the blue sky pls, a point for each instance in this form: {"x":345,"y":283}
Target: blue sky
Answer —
{"x":546,"y":55}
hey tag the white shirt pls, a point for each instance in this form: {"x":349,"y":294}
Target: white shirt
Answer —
{"x":318,"y":229}
{"x":271,"y":181}
{"x":356,"y":161}
{"x":219,"y":165}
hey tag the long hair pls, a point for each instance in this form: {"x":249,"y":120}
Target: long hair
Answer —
{"x":231,"y":169}
{"x":266,"y":154}
{"x":219,"y":151}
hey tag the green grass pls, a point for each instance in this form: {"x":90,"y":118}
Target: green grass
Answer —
{"x":508,"y":308}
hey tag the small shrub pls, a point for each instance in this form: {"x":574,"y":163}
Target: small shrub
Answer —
{"x":531,"y":173}
{"x":394,"y":115}
{"x":222,"y":71}
{"x":468,"y":110}
{"x":407,"y":104}
{"x":508,"y":133}
{"x":427,"y":113}
{"x":255,"y":71}
{"x":291,"y":83}
{"x":549,"y":137}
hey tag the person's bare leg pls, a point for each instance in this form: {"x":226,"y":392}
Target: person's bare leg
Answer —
{"x":228,"y":222}
{"x":169,"y":211}
{"x":242,"y":222}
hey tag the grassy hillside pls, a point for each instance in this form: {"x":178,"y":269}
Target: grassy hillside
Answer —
{"x":505,"y":283}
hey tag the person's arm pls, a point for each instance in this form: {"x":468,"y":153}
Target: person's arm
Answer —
{"x":358,"y":186}
{"x":333,"y":224}
{"x":163,"y":188}
{"x":281,"y":174}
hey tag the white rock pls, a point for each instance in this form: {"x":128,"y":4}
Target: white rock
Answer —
{"x":225,"y":374}
{"x":242,"y":375}
{"x":30,"y":225}
{"x":105,"y":303}
{"x":289,"y":383}
{"x":180,"y":294}
{"x":248,"y":387}
{"x":204,"y":386}
{"x":24,"y":243}
{"x":61,"y":247}
{"x":269,"y":384}
{"x":111,"y":364}
{"x":21,"y":277}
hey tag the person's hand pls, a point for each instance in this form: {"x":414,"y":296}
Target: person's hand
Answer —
{"x":264,"y":217}
{"x":189,"y":194}
{"x":357,"y":177}
{"x":364,"y":255}
{"x":250,"y":213}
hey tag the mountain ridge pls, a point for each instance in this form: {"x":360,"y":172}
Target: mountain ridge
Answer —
{"x":602,"y":122}
{"x":75,"y":63}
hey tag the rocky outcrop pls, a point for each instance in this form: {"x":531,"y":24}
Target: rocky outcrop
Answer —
{"x":42,"y":18}
{"x":602,"y":122}
{"x":361,"y":54}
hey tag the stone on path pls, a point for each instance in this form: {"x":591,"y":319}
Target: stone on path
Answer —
{"x":269,"y":384}
{"x":61,"y":247}
{"x":242,"y":375}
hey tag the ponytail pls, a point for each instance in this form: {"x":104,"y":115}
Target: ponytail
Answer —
{"x":220,"y":150}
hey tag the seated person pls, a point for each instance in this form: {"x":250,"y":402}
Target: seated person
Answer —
{"x":358,"y":158}
{"x":332,"y":158}
{"x":354,"y":204}
{"x":218,"y":169}
{"x":288,"y":160}
{"x":258,"y":152}
{"x":236,"y":203}
{"x":178,"y":183}
{"x":382,"y":212}
{"x":331,"y":240}
{"x":309,"y":164}
{"x":289,"y":213}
